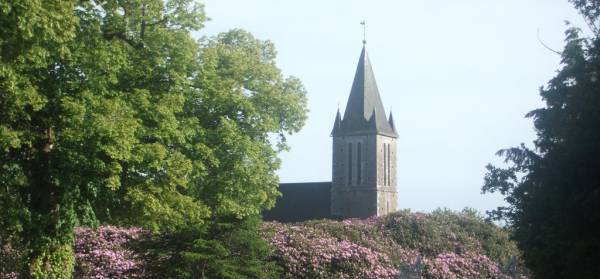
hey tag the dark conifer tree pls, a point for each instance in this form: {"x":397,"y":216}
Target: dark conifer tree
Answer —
{"x":553,"y":190}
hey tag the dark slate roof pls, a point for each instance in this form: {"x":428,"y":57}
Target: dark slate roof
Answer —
{"x":301,"y":202}
{"x":391,"y":121}
{"x":364,"y":112}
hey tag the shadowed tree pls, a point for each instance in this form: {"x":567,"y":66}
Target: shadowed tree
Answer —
{"x":553,"y":190}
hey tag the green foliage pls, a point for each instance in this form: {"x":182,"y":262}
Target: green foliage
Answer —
{"x":111,"y":112}
{"x":231,"y":248}
{"x":554,"y":190}
{"x":239,"y":98}
{"x":590,"y":10}
{"x":54,"y":263}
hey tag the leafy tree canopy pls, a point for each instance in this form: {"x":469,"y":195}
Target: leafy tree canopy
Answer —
{"x":111,"y":112}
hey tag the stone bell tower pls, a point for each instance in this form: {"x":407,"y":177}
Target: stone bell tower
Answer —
{"x":364,"y":152}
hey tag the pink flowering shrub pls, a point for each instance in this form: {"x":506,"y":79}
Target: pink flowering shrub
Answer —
{"x":444,"y":231}
{"x":9,"y":262}
{"x":10,"y":275}
{"x":468,"y":265}
{"x":442,"y":244}
{"x":103,"y":253}
{"x":308,"y":253}
{"x":438,"y":245}
{"x":366,"y":232}
{"x":432,"y":234}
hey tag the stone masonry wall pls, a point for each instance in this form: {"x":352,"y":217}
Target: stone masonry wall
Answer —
{"x":352,"y":197}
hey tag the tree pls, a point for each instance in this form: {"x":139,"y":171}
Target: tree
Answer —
{"x":590,"y":10}
{"x":553,"y":190}
{"x":87,"y":91}
{"x":241,"y":100}
{"x":230,"y":248}
{"x":111,"y":112}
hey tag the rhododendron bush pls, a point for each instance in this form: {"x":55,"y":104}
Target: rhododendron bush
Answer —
{"x":442,"y":244}
{"x":438,"y":245}
{"x":308,"y":253}
{"x":104,"y":253}
{"x":231,"y":249}
{"x":468,"y":265}
{"x":9,"y":261}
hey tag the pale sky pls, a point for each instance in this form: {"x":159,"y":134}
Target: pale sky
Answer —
{"x":459,"y":75}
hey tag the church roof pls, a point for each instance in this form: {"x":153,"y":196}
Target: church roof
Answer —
{"x":300,"y":202}
{"x":364,"y":112}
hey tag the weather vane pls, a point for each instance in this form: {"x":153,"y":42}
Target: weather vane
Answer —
{"x":364,"y":31}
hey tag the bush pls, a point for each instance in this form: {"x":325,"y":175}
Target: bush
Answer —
{"x":468,"y":265}
{"x":227,"y":248}
{"x":310,"y":253}
{"x":10,"y":261}
{"x":444,"y":231}
{"x":56,"y":262}
{"x":442,"y":244}
{"x":105,"y":252}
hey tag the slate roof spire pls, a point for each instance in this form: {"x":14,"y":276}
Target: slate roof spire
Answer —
{"x":391,"y":121}
{"x":364,"y":112}
{"x":338,"y":122}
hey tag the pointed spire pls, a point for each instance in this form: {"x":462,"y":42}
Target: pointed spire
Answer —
{"x":337,"y":124}
{"x":373,"y":119}
{"x":391,"y":122}
{"x":364,"y":103}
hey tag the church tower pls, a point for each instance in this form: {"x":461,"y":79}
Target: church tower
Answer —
{"x":364,"y":152}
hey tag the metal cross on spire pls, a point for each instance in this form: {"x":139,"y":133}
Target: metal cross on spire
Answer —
{"x":364,"y":31}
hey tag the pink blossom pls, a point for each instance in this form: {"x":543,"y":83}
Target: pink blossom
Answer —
{"x":103,"y":252}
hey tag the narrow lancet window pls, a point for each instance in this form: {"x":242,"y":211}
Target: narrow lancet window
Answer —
{"x":359,"y":162}
{"x":389,"y":165}
{"x":349,"y":163}
{"x":384,"y":164}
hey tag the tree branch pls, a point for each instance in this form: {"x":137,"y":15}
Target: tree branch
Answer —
{"x":546,"y":46}
{"x":163,"y":20}
{"x":123,"y":37}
